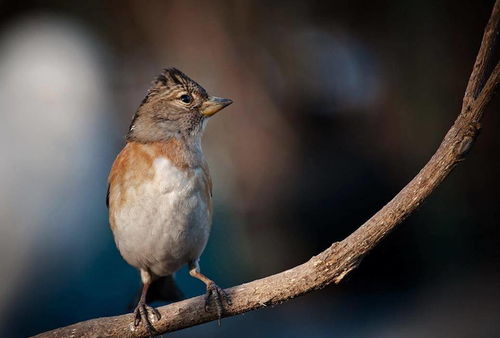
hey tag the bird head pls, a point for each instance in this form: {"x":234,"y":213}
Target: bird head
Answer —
{"x":174,"y":106}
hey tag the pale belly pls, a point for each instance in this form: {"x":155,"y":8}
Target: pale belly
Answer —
{"x":165,"y":221}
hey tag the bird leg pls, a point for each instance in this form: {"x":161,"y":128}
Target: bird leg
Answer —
{"x":213,"y":291}
{"x":143,"y":310}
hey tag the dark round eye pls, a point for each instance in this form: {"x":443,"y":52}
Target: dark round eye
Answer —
{"x":186,"y":98}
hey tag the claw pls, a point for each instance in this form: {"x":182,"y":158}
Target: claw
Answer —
{"x":141,"y":314}
{"x":217,"y":294}
{"x":137,"y":319}
{"x":156,"y":313}
{"x":208,"y":295}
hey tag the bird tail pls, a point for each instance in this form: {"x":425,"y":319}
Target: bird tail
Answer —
{"x":162,"y":289}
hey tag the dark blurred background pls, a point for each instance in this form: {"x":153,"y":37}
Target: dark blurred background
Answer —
{"x":337,"y":106}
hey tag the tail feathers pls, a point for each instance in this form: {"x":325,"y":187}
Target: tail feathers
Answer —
{"x":162,"y":289}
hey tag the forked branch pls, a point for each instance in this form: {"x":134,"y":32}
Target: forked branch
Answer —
{"x":331,"y":265}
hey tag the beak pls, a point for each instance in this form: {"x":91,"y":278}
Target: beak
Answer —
{"x":213,"y":105}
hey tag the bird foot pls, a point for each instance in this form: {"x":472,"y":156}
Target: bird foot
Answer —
{"x":218,"y":295}
{"x":146,"y":314}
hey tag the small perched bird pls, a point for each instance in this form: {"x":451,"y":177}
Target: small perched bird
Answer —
{"x":160,"y":191}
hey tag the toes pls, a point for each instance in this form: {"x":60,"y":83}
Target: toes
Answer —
{"x":218,"y":304}
{"x":218,"y":295}
{"x":156,"y":313}
{"x":139,"y":315}
{"x":225,"y":296}
{"x":137,"y":319}
{"x":151,"y":330}
{"x":208,"y":295}
{"x":142,"y":315}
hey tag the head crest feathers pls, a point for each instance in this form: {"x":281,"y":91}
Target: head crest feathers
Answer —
{"x":173,"y":76}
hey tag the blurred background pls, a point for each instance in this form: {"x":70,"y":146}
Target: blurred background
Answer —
{"x":337,"y":106}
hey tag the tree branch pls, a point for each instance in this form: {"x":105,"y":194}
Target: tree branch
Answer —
{"x":333,"y":264}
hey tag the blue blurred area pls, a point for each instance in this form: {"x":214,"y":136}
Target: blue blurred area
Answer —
{"x":337,"y":105}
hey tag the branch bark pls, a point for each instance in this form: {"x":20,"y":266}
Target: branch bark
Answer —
{"x":333,"y":264}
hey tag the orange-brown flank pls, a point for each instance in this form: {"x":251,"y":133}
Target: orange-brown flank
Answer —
{"x":134,"y":165}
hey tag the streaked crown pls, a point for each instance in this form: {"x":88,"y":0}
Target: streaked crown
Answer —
{"x":174,"y":105}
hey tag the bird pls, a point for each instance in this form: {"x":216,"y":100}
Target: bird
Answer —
{"x":160,"y":191}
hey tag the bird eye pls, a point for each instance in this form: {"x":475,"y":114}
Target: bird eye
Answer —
{"x":186,"y":98}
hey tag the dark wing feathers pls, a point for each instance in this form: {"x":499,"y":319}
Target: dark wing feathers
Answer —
{"x":107,"y":198}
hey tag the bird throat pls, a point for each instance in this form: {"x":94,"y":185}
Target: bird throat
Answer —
{"x":149,"y":128}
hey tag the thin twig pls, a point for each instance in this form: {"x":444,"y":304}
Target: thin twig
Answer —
{"x":340,"y":258}
{"x":483,"y":58}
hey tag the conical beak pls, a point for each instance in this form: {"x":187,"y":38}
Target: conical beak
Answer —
{"x":213,"y":105}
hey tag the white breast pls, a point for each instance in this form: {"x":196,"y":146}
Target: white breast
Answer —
{"x":165,"y":221}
